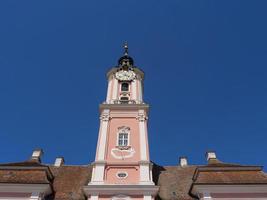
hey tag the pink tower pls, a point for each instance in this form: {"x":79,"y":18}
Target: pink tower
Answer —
{"x":122,"y":168}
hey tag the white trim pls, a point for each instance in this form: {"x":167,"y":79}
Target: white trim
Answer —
{"x":147,"y":197}
{"x":36,"y":196}
{"x":145,"y":174}
{"x":120,"y":172}
{"x":115,"y":89}
{"x":93,"y":197}
{"x":133,"y":89}
{"x":103,"y":135}
{"x":26,"y":188}
{"x":109,"y":90}
{"x":142,"y":135}
{"x":124,"y":107}
{"x":120,"y":197}
{"x":140,"y":90}
{"x":206,"y":196}
{"x":251,"y":188}
{"x":123,"y":129}
{"x":109,"y":189}
{"x":98,"y":173}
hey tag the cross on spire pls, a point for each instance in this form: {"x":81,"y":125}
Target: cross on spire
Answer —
{"x":125,"y":46}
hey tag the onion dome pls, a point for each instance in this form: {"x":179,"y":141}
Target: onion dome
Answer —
{"x":126,"y":60}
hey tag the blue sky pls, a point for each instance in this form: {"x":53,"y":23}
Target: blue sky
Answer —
{"x":206,"y":76}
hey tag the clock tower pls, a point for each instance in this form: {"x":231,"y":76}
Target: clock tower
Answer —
{"x":122,"y":167}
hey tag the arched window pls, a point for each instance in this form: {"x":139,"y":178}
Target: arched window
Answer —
{"x":125,"y":87}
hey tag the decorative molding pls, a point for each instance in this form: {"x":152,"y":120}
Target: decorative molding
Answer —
{"x":124,"y":106}
{"x":141,"y":117}
{"x":104,"y":117}
{"x":124,"y":129}
{"x":130,"y":152}
{"x":125,"y":75}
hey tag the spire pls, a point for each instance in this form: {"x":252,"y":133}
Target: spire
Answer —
{"x":125,"y":46}
{"x":125,"y":60}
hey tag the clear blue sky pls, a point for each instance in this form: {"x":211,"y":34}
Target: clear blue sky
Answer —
{"x":206,"y":76}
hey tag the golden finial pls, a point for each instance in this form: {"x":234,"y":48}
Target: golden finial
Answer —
{"x":125,"y":46}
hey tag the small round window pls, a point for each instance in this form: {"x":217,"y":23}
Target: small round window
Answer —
{"x":122,"y":174}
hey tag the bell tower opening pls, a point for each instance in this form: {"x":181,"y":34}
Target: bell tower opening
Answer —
{"x":124,"y":87}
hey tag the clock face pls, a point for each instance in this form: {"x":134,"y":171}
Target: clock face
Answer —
{"x":125,"y":75}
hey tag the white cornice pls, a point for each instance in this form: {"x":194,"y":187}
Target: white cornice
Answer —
{"x":124,"y":163}
{"x":123,"y":189}
{"x":26,"y":188}
{"x":124,"y":106}
{"x":246,"y":188}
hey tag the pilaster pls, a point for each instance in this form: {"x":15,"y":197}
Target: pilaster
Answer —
{"x":115,"y":89}
{"x":142,"y":132}
{"x":134,"y":91}
{"x":104,"y":120}
{"x":109,"y":89}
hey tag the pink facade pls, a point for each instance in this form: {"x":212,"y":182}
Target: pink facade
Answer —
{"x":132,"y":174}
{"x":122,"y":156}
{"x":134,"y":139}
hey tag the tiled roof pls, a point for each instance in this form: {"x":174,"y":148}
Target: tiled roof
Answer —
{"x":217,"y":172}
{"x":27,"y":172}
{"x":69,"y":181}
{"x":175,"y":181}
{"x":231,"y":177}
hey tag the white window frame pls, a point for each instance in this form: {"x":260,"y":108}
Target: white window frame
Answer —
{"x":125,"y":130}
{"x":119,"y":172}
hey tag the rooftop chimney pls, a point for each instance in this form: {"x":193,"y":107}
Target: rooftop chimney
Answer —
{"x":183,"y":161}
{"x":210,"y":155}
{"x":59,"y":161}
{"x":37,"y":154}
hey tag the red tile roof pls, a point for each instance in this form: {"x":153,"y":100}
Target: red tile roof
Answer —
{"x":175,"y":182}
{"x":69,"y":181}
{"x":28,"y":172}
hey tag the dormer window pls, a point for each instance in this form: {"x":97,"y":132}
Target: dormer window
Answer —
{"x":125,"y":87}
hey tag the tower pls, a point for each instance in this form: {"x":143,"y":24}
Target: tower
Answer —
{"x":122,"y":168}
